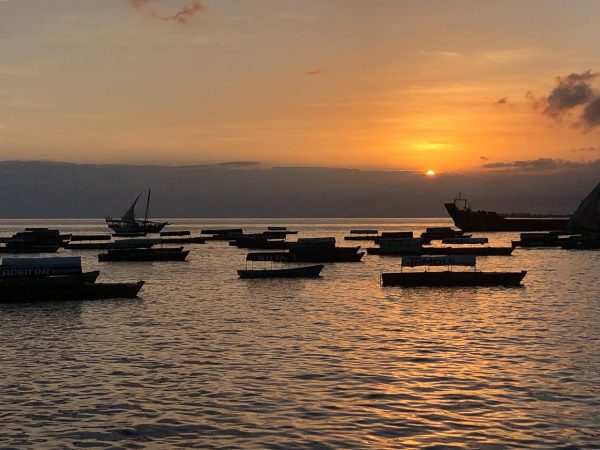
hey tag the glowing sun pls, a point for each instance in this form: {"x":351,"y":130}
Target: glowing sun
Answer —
{"x":430,"y":172}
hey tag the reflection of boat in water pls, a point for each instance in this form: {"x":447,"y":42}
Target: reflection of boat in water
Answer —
{"x":285,"y":272}
{"x":37,"y":279}
{"x":449,"y":277}
{"x":467,"y":219}
{"x":128,"y":225}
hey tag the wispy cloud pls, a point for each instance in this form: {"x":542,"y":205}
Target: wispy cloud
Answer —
{"x":295,"y":16}
{"x":318,"y":71}
{"x":587,"y":149}
{"x":538,"y":165}
{"x":183,"y":16}
{"x":503,"y":56}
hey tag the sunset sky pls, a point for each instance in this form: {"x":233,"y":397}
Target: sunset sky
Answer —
{"x":417,"y":85}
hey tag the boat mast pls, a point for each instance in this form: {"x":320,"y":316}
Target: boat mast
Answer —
{"x":147,"y":207}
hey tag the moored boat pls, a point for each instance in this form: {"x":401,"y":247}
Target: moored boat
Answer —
{"x":323,"y":250}
{"x":439,"y":233}
{"x":183,"y":240}
{"x":128,"y":225}
{"x":536,"y":240}
{"x":312,"y":271}
{"x":39,"y":279}
{"x":465,"y":240}
{"x":144,"y":254}
{"x":34,"y":240}
{"x":475,"y":251}
{"x":90,"y":237}
{"x":281,"y":229}
{"x":467,"y":219}
{"x":448,"y":278}
{"x":362,"y":235}
{"x":175,"y":233}
{"x":407,"y":246}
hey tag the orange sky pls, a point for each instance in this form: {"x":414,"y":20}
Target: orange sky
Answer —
{"x":384,"y":84}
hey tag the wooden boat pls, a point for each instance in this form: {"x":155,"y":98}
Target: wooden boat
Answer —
{"x":34,"y":240}
{"x":184,"y":240}
{"x":326,"y":257}
{"x":439,"y":233}
{"x":91,"y":276}
{"x":535,"y":240}
{"x":362,"y":235}
{"x":270,"y":234}
{"x":64,"y":287}
{"x":280,"y":229}
{"x":27,"y":248}
{"x":431,"y":251}
{"x":88,"y":245}
{"x":288,"y":272}
{"x":401,"y":247}
{"x":175,"y":233}
{"x":397,"y":246}
{"x":119,"y":243}
{"x":465,"y":241}
{"x":399,"y":235}
{"x":475,"y":251}
{"x":323,"y":250}
{"x":285,"y":272}
{"x":38,"y":279}
{"x":260,"y":244}
{"x":128,"y":225}
{"x":90,"y":237}
{"x":452,"y":279}
{"x":129,"y":234}
{"x":448,"y":278}
{"x":219,"y":231}
{"x":144,"y":254}
{"x":588,"y":242}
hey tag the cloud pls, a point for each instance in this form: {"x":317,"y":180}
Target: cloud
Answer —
{"x":484,"y":158}
{"x":538,"y":165}
{"x":573,"y":90}
{"x":591,"y":113}
{"x":139,"y":3}
{"x":574,"y":97}
{"x":183,"y":16}
{"x":587,"y":149}
{"x":318,"y":71}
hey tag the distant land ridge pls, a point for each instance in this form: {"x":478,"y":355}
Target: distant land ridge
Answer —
{"x":34,"y":189}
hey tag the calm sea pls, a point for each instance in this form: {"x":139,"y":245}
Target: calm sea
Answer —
{"x":203,"y":359}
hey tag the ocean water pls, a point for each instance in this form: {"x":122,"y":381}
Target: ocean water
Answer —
{"x":205,"y":360}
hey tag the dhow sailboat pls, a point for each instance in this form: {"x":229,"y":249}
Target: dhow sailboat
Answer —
{"x":129,"y":225}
